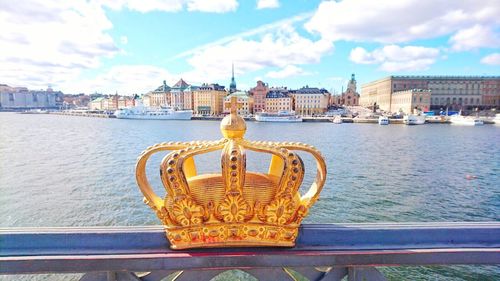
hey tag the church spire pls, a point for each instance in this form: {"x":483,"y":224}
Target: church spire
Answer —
{"x":232,"y":86}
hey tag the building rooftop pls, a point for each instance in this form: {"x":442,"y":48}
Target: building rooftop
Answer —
{"x":238,"y":94}
{"x":181,"y":84}
{"x":311,"y":90}
{"x":276,"y":94}
{"x":215,"y":87}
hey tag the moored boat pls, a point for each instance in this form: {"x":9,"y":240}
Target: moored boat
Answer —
{"x":496,"y":120}
{"x":383,"y":120}
{"x":280,"y":116}
{"x":337,"y":120}
{"x":414,"y":119}
{"x":465,"y":120}
{"x":148,"y":113}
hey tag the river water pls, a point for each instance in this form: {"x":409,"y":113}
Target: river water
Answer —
{"x":76,"y":171}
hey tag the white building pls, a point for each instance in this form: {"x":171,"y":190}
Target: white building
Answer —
{"x":12,"y":98}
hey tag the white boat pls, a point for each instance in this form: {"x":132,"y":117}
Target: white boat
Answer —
{"x":148,"y":113}
{"x":337,"y":120}
{"x":414,"y":119}
{"x":496,"y":120}
{"x":464,"y":120}
{"x":280,"y":116}
{"x":383,"y":120}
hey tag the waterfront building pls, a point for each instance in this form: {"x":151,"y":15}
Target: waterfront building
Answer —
{"x":310,"y":101}
{"x":259,"y":93}
{"x":188,"y":97}
{"x":245,"y":103}
{"x":124,"y":102}
{"x":113,"y":102}
{"x":18,"y":98}
{"x":79,"y":100}
{"x":146,"y":100}
{"x":208,"y":99}
{"x":232,"y":85}
{"x":349,"y":97}
{"x":97,"y":103}
{"x":407,"y":101}
{"x":177,"y":96}
{"x":159,"y":97}
{"x":454,"y":92}
{"x":278,"y":99}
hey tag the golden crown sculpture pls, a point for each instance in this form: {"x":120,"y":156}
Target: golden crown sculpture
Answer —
{"x":236,"y":207}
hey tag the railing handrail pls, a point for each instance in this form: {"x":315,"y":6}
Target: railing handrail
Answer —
{"x":145,"y":248}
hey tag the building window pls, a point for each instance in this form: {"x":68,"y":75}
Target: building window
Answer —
{"x":35,"y":97}
{"x":11,"y":97}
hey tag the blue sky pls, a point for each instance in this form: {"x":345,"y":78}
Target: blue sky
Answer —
{"x":131,"y":46}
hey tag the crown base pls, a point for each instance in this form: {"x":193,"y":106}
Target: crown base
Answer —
{"x":232,"y":235}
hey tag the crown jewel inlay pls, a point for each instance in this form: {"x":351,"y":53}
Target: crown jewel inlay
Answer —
{"x":235,"y":207}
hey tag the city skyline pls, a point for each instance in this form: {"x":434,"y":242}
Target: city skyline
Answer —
{"x":131,"y":47}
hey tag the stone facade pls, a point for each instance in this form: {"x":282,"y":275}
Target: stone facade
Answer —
{"x":244,"y":100}
{"x":350,"y":97}
{"x":208,"y":99}
{"x":12,"y":98}
{"x":111,"y":103}
{"x":278,"y":100}
{"x":259,"y":93}
{"x":310,"y":101}
{"x":454,"y":92}
{"x":409,"y":100}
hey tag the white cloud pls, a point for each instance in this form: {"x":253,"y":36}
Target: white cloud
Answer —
{"x":144,"y":6}
{"x":491,"y":59}
{"x":125,"y":79}
{"x":389,"y":21}
{"x":50,"y":42}
{"x":273,"y":49}
{"x":267,"y":4}
{"x":475,"y":37}
{"x":394,"y":58}
{"x":287,"y":71}
{"x":214,"y":6}
{"x":252,"y":32}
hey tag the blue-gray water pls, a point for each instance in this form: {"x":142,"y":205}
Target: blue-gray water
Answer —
{"x":75,"y":171}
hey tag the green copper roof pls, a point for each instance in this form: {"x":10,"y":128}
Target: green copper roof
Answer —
{"x":239,"y":94}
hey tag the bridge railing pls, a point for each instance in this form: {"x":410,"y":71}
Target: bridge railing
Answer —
{"x":323,"y":252}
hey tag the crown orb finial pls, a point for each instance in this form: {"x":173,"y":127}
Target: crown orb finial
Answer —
{"x":233,"y":126}
{"x":233,"y":207}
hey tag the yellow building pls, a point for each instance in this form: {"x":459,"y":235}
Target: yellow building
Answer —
{"x":311,"y":101}
{"x":407,"y":101}
{"x":245,"y":103}
{"x":377,"y":93}
{"x":209,"y":99}
{"x":278,"y":100}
